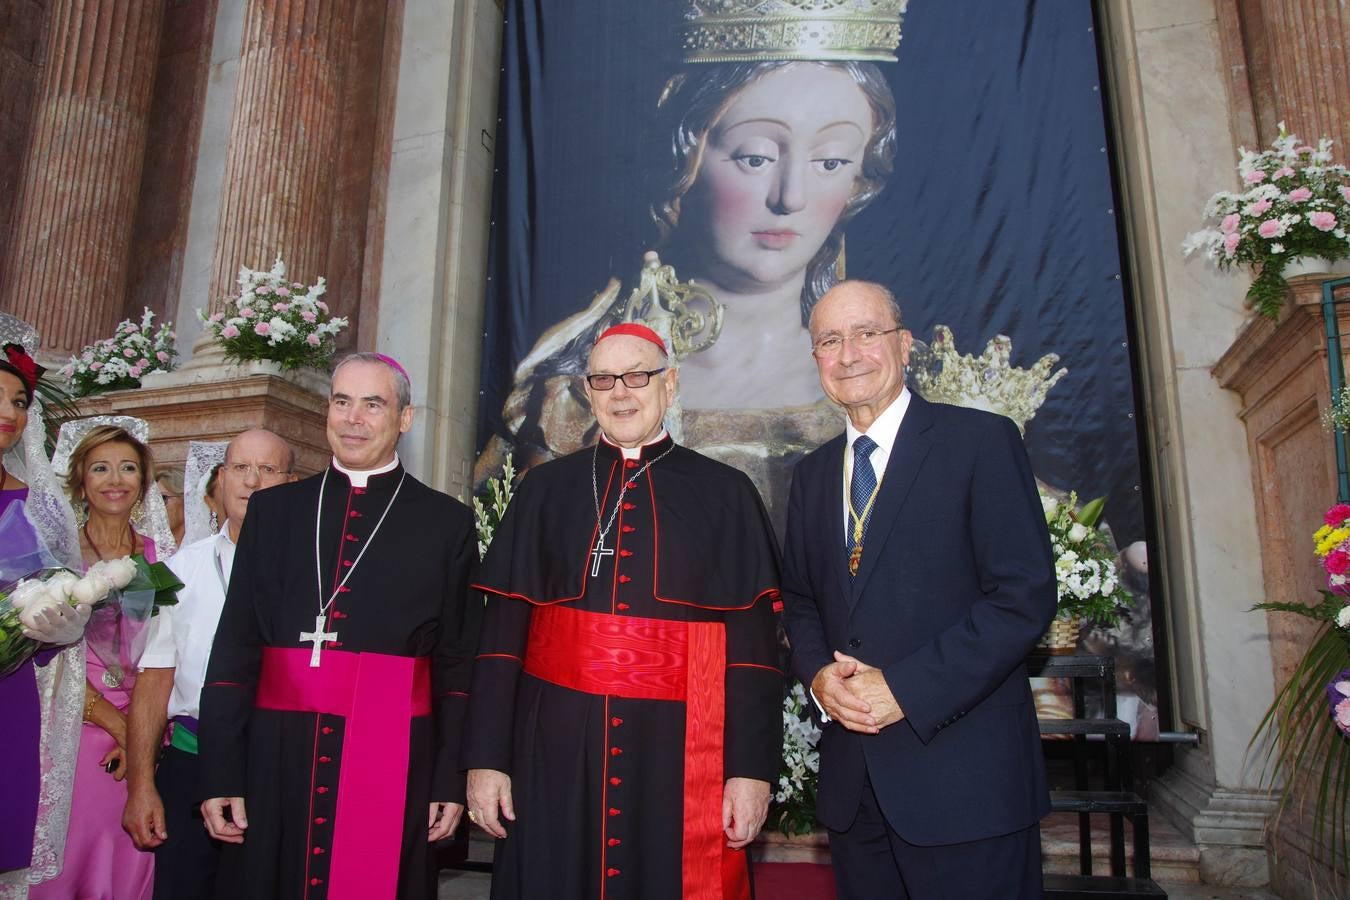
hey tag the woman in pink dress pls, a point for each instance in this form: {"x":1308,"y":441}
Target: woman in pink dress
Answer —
{"x":110,"y":472}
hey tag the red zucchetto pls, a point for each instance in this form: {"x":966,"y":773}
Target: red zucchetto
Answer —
{"x":635,"y":329}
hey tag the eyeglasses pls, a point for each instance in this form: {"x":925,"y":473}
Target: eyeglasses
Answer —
{"x":830,"y":346}
{"x":264,"y":472}
{"x":605,"y":382}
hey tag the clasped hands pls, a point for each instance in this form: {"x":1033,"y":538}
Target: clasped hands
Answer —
{"x":856,"y":695}
{"x":745,"y":805}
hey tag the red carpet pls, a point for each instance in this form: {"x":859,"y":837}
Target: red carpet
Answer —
{"x":793,"y":881}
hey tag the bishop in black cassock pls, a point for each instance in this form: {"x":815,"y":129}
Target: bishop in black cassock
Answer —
{"x":339,"y":763}
{"x":625,"y":714}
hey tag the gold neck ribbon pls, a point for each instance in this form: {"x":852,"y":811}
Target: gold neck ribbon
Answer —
{"x":859,"y":519}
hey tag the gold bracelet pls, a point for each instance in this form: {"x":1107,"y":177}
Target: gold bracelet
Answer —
{"x":89,"y":706}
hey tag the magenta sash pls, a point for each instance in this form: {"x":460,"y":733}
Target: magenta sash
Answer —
{"x":378,"y":695}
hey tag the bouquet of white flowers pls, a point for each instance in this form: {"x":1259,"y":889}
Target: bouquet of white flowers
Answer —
{"x":794,"y":800}
{"x":488,"y":510}
{"x":1085,"y":562}
{"x":121,"y":593}
{"x":117,"y":363}
{"x":275,"y":319}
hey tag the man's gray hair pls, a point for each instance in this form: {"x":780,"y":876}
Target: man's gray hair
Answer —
{"x":402,"y":388}
{"x":879,"y":289}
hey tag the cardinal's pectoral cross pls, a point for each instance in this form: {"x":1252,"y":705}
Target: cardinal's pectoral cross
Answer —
{"x":596,"y":554}
{"x":317,"y":636}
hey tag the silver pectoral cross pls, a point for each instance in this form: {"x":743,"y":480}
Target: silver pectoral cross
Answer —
{"x":317,"y":636}
{"x":596,"y":554}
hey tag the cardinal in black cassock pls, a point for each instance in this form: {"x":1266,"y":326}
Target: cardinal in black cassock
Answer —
{"x":341,"y":735}
{"x":626,"y":706}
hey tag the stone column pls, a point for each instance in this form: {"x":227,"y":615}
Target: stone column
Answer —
{"x":66,"y":267}
{"x":1287,"y":61}
{"x":1159,"y":58}
{"x":433,"y":273}
{"x":284,"y":138}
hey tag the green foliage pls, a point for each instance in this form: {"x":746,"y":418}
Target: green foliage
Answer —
{"x":1303,"y":745}
{"x":490,"y":506}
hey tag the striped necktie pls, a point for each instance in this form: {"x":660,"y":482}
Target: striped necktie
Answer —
{"x":863,"y":483}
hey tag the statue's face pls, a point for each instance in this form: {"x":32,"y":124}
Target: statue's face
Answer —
{"x":778,"y":169}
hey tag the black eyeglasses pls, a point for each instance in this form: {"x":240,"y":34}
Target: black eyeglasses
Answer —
{"x":604,"y":382}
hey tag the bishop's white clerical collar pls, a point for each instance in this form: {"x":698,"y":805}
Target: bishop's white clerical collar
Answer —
{"x":360,"y":478}
{"x":634,"y":452}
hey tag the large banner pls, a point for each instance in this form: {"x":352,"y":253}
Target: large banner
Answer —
{"x":656,"y":161}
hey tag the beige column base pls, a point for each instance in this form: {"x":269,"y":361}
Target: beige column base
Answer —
{"x":209,"y":399}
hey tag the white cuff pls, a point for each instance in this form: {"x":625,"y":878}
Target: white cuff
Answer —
{"x":824,"y":716}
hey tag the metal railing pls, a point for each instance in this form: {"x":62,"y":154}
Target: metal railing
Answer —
{"x":1336,"y":374}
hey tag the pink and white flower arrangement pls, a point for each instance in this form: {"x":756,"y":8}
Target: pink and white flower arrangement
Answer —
{"x":276,"y":319}
{"x":119,"y":362}
{"x":1296,"y":204}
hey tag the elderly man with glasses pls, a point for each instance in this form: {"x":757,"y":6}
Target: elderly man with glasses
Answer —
{"x":917,"y":576}
{"x":162,"y":790}
{"x":624,"y":714}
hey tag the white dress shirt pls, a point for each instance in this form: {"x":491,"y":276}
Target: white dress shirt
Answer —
{"x":884,"y":430}
{"x":181,"y":635}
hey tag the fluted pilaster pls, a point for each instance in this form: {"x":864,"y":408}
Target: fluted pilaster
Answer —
{"x":66,"y":264}
{"x":1289,"y":60}
{"x":284,"y":139}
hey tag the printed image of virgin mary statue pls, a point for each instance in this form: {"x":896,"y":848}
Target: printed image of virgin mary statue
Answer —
{"x":777,"y":129}
{"x":782,"y":129}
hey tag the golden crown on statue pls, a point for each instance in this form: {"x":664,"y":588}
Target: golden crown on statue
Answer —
{"x":753,"y":30}
{"x":989,"y":381}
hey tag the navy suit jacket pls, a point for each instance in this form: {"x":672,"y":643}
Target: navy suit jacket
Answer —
{"x":955,"y":587}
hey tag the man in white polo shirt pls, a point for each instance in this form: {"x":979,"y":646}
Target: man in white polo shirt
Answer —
{"x":162,"y":803}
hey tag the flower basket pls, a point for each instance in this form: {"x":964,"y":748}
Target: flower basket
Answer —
{"x":1295,"y":203}
{"x":276,"y":319}
{"x":1086,"y":575}
{"x":1062,"y":634}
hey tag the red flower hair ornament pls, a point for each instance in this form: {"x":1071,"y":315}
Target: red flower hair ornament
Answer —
{"x":18,"y":362}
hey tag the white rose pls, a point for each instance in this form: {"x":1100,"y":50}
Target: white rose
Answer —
{"x":62,"y":583}
{"x":1050,"y":506}
{"x":26,"y":593}
{"x":120,"y":572}
{"x":1343,"y":617}
{"x":90,"y":589}
{"x":1077,"y":532}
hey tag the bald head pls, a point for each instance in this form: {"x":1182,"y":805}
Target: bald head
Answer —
{"x":260,"y":439}
{"x":254,"y":460}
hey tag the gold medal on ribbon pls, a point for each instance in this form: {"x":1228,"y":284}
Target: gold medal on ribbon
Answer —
{"x":854,"y":559}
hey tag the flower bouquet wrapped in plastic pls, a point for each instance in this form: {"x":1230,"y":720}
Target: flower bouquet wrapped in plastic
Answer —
{"x":120,"y":595}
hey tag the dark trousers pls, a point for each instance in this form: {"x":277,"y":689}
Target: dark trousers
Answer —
{"x":186,"y":863}
{"x":872,"y":862}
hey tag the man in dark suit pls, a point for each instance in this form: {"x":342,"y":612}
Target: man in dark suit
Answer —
{"x":917,"y":575}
